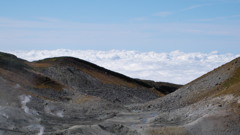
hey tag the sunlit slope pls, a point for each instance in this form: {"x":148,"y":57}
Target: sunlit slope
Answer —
{"x":207,"y":105}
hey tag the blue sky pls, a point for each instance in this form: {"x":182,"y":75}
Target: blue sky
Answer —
{"x":142,"y":25}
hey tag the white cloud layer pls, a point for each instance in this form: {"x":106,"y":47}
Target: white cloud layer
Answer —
{"x":176,"y":66}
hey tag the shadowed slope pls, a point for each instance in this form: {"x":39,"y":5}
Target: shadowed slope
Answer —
{"x":18,"y":72}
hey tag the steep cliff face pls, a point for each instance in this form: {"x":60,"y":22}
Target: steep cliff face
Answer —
{"x":69,"y":96}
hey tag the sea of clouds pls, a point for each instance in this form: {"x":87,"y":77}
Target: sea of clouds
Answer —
{"x":176,"y":66}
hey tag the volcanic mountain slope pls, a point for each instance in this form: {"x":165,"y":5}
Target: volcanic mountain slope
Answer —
{"x":208,"y":105}
{"x":65,"y":78}
{"x":36,"y":93}
{"x":93,"y":80}
{"x":68,"y":96}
